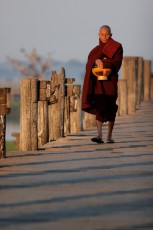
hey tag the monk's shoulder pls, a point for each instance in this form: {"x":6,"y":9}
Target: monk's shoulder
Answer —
{"x":115,"y":43}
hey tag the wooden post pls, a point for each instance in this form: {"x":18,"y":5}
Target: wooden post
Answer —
{"x":68,"y":94}
{"x":75,"y":110}
{"x":89,"y":121}
{"x":62,"y":98}
{"x":8,"y":100}
{"x":2,"y":136}
{"x":25,"y":115}
{"x":34,"y":114}
{"x":42,"y":90}
{"x":56,"y":107}
{"x":73,"y":91}
{"x":130,"y":73}
{"x":140,"y":91}
{"x":147,"y":79}
{"x":42,"y":123}
{"x":67,"y":116}
{"x":5,"y":98}
{"x":122,"y":97}
{"x":44,"y":97}
{"x":152,"y":87}
{"x":28,"y":114}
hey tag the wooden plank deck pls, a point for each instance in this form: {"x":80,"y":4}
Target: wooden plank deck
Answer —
{"x":74,"y":184}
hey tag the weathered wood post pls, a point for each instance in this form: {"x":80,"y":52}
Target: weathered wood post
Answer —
{"x":34,"y":114}
{"x":147,"y":79}
{"x":67,"y":116}
{"x":68,"y":93}
{"x":122,"y":100}
{"x":44,"y":96}
{"x":5,"y":107}
{"x":152,"y":87}
{"x":56,"y":107}
{"x":140,"y":92}
{"x":89,"y":120}
{"x":130,"y":73}
{"x":29,"y":114}
{"x":43,"y":134}
{"x":75,"y":109}
{"x":73,"y":120}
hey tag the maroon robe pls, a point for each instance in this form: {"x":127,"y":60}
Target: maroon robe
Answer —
{"x":99,"y":96}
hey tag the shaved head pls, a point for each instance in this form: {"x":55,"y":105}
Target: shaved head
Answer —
{"x":105,"y":27}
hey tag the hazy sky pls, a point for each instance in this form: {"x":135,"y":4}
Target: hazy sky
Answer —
{"x":69,"y":28}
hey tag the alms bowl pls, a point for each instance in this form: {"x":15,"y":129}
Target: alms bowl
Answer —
{"x":100,"y":73}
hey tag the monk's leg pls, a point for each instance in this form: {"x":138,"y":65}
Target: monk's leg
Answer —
{"x":98,"y":139}
{"x":99,"y":128}
{"x":110,"y":130}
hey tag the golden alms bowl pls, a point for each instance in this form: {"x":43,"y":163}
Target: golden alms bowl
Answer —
{"x":100,"y":73}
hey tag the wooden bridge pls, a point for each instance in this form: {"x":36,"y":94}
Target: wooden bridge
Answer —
{"x":52,"y":109}
{"x":59,"y":179}
{"x":73,"y":183}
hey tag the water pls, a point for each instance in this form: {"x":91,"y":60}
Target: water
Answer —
{"x":11,"y":127}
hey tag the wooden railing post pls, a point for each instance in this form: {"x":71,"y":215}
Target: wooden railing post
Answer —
{"x":130,"y":73}
{"x":89,"y":120}
{"x":5,"y":103}
{"x":68,"y":94}
{"x":29,"y":114}
{"x":56,"y":107}
{"x":122,"y":100}
{"x":152,"y":87}
{"x":73,"y":93}
{"x":75,"y":109}
{"x":44,"y":96}
{"x":147,"y":79}
{"x":2,"y":136}
{"x":140,"y":91}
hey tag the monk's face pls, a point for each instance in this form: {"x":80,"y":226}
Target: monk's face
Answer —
{"x":104,"y":34}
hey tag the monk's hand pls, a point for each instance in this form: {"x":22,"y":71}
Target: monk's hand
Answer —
{"x":99,"y":63}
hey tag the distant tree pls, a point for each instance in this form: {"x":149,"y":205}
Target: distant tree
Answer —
{"x":36,"y":67}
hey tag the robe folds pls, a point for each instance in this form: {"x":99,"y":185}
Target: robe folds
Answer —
{"x":99,"y":96}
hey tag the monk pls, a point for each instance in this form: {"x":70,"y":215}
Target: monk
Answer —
{"x":99,"y":96}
